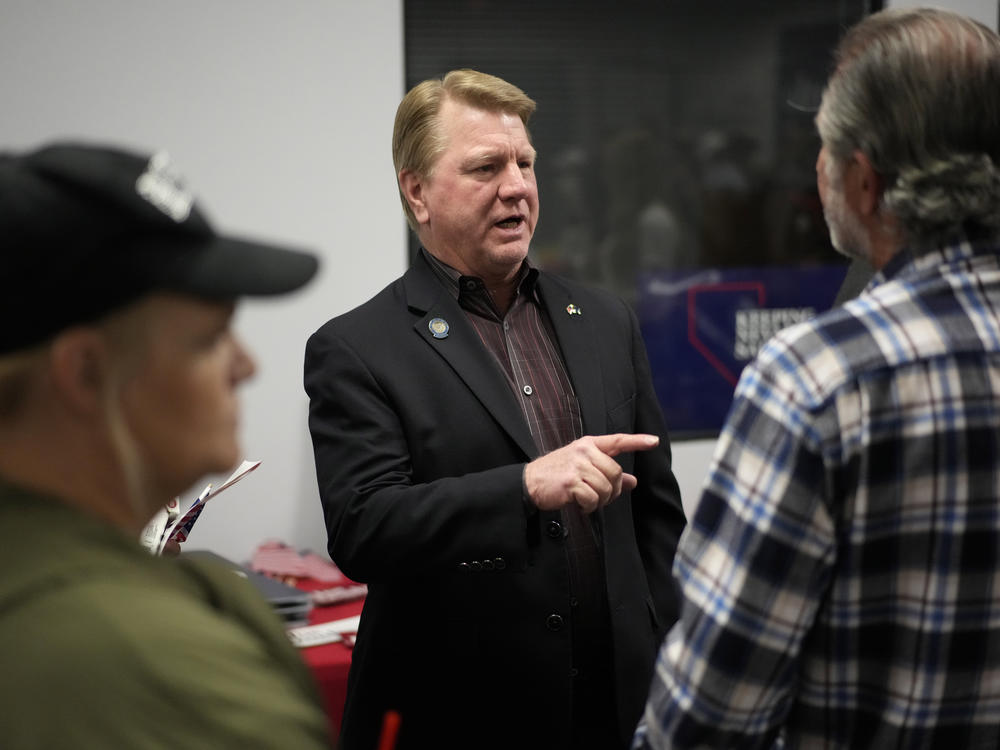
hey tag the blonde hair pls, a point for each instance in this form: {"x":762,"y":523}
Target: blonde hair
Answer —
{"x":417,"y":139}
{"x":126,"y":333}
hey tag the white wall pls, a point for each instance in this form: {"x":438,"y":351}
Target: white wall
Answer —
{"x":280,"y":115}
{"x":984,"y":11}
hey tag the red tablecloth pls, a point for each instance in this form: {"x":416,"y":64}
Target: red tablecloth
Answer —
{"x":330,"y":662}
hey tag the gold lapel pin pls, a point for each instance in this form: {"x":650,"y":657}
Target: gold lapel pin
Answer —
{"x":439,"y":328}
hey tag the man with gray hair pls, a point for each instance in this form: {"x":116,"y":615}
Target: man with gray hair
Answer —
{"x":840,"y":574}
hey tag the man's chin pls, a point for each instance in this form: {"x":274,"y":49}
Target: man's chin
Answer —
{"x":230,"y":461}
{"x":852,"y":253}
{"x":850,"y":249}
{"x":223,"y":462}
{"x":509,"y":255}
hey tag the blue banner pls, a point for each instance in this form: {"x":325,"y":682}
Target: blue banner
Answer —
{"x":702,"y":327}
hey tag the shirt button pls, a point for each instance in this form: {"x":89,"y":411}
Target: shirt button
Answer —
{"x":573,"y":672}
{"x":470,"y":285}
{"x":528,"y":390}
{"x":554,"y":622}
{"x":554,"y":530}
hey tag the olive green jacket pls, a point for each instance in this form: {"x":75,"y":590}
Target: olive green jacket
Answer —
{"x":104,"y":646}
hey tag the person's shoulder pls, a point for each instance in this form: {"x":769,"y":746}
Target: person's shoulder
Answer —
{"x":47,"y":548}
{"x":123,"y":627}
{"x":119,"y":656}
{"x":86,"y":634}
{"x":816,"y":358}
{"x":365,"y":320}
{"x":583,"y":294}
{"x":385,"y":298}
{"x":105,"y":610}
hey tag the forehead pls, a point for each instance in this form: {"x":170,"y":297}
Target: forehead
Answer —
{"x":466,"y":128}
{"x":181,"y":313}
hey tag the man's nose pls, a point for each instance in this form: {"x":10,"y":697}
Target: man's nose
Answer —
{"x":243,"y":364}
{"x":513,"y":183}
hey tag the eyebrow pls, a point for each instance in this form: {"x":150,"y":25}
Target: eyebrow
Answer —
{"x":491,"y":154}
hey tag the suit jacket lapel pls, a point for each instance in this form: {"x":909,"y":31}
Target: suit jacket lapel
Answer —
{"x":576,"y":334}
{"x":464,"y":352}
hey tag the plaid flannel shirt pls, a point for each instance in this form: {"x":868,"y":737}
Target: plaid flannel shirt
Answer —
{"x":841,"y":574}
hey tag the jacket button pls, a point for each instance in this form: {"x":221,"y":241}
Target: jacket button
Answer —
{"x":488,"y":565}
{"x":476,"y":566}
{"x":500,"y":563}
{"x":554,"y":530}
{"x":464,"y":567}
{"x":554,"y":623}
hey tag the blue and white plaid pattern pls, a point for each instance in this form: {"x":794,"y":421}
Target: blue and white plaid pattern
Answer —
{"x":841,"y":574}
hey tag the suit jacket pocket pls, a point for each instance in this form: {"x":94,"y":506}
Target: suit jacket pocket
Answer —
{"x":621,"y":418}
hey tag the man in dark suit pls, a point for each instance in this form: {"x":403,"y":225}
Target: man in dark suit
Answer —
{"x":492,"y":462}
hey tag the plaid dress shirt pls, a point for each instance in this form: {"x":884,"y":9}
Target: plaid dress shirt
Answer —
{"x":841,"y":574}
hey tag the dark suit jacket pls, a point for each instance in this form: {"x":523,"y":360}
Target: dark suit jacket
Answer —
{"x":420,"y":447}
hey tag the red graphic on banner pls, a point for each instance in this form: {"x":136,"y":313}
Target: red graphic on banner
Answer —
{"x":692,"y":328}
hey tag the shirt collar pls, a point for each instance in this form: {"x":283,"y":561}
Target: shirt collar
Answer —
{"x":907,"y":265}
{"x":460,"y":286}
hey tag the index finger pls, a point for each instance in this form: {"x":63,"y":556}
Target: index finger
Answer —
{"x":622,"y":442}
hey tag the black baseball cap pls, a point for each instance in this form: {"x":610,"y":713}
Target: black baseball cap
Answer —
{"x":86,"y":229}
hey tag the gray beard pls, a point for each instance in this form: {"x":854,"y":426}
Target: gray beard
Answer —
{"x":847,"y":235}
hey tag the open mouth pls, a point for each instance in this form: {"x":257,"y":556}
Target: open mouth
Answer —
{"x":511,"y":222}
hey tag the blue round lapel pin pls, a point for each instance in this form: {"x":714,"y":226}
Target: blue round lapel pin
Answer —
{"x":438,"y":327}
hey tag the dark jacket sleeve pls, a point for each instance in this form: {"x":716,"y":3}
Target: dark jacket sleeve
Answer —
{"x":383,"y":520}
{"x":656,"y":501}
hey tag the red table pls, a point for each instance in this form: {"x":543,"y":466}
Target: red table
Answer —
{"x":331,"y":661}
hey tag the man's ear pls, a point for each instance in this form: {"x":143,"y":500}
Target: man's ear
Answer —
{"x":79,"y":368}
{"x":412,"y":187}
{"x":867,"y":185}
